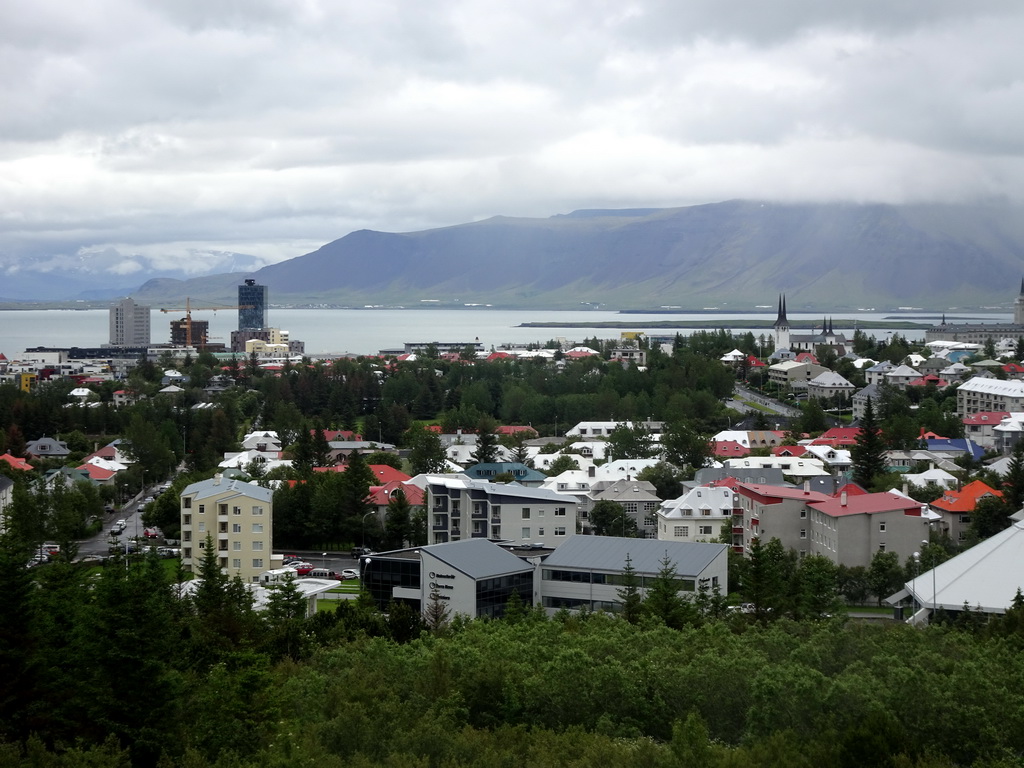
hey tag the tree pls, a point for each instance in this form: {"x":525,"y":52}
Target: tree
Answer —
{"x":1013,"y":482}
{"x":561,"y":464}
{"x":868,"y":452}
{"x":991,"y":515}
{"x":884,"y":575}
{"x":628,"y":441}
{"x":385,"y":458}
{"x":817,"y":594}
{"x":663,"y":600}
{"x":629,"y":593}
{"x":685,"y":447}
{"x":767,"y":579}
{"x":813,"y":419}
{"x":609,"y":518}
{"x":398,"y":520}
{"x":426,"y":455}
{"x":486,"y":443}
{"x":666,"y":479}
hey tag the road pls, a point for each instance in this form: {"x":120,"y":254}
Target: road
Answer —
{"x":99,"y":545}
{"x":773,"y":406}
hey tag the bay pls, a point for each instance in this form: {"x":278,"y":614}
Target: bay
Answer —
{"x":367,"y":331}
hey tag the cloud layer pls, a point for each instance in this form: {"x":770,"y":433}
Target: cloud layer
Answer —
{"x":138,"y":133}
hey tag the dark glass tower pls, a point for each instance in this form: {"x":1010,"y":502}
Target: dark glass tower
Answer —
{"x":252,"y":303}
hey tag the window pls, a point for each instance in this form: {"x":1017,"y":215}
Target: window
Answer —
{"x":684,"y":530}
{"x":257,"y":546}
{"x":677,"y":531}
{"x":236,"y":564}
{"x":202,"y":545}
{"x":222,"y":509}
{"x":236,"y":527}
{"x":235,"y":511}
{"x":236,"y":545}
{"x":559,"y":511}
{"x":526,"y":513}
{"x":560,"y":531}
{"x":257,"y":527}
{"x":202,"y":509}
{"x":881,"y":527}
{"x":881,"y":547}
{"x":257,"y":562}
{"x":186,"y":519}
{"x":257,"y":511}
{"x":706,"y":512}
{"x":187,"y":502}
{"x":540,"y":531}
{"x":803,"y":533}
{"x":526,"y":533}
{"x":803,"y":514}
{"x":540,"y":512}
{"x":202,"y":526}
{"x":706,"y":530}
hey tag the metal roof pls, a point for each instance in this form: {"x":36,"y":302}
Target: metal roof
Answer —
{"x":608,"y":553}
{"x":478,"y":558}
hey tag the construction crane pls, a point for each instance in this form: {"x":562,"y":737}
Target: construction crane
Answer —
{"x":187,"y":309}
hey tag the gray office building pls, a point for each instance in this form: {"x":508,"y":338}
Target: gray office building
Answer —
{"x":252,"y":306}
{"x":129,"y":324}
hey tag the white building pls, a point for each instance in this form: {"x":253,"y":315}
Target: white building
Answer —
{"x":129,"y":324}
{"x":700,"y":515}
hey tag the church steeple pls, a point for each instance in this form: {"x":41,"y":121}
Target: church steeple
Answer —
{"x":782,"y":325}
{"x":1018,"y":306}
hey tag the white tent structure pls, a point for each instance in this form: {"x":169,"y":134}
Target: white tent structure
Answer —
{"x":985,"y":578}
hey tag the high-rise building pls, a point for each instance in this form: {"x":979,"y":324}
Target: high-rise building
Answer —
{"x":252,"y":306}
{"x":129,"y":324}
{"x":181,"y":330}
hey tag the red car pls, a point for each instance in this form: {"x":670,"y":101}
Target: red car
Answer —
{"x":304,"y":569}
{"x":151,"y":533}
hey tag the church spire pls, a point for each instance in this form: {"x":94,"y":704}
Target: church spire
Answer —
{"x":782,"y":319}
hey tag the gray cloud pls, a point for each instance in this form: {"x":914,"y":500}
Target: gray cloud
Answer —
{"x":153,"y":132}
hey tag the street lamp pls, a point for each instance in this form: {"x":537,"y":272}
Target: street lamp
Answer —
{"x":323,"y":560}
{"x":913,"y":585}
{"x":924,"y":543}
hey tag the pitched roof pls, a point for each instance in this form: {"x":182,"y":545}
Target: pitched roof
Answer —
{"x":986,"y":576}
{"x":381,"y":494}
{"x":967,"y":498}
{"x":868,"y":504}
{"x":728,"y":448}
{"x":478,"y":558}
{"x":16,"y":463}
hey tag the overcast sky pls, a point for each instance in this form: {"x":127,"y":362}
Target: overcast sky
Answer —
{"x":141,"y":134}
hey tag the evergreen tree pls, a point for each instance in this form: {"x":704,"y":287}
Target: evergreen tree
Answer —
{"x":1013,"y":482}
{"x":868,"y":452}
{"x":486,"y":443}
{"x":320,"y":448}
{"x":398,"y":520}
{"x":630,"y":442}
{"x":629,"y":594}
{"x":663,"y":600}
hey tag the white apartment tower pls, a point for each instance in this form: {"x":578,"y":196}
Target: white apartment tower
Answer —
{"x":129,"y":324}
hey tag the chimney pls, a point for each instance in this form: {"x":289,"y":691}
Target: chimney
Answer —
{"x":216,"y":478}
{"x":842,"y":498}
{"x":807,"y":486}
{"x":906,"y":488}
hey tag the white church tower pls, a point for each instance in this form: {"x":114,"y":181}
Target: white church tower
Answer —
{"x":782,"y":326}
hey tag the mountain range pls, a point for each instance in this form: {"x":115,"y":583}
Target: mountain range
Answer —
{"x":734,"y":255}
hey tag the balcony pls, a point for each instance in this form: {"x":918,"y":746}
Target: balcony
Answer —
{"x":737,"y":529}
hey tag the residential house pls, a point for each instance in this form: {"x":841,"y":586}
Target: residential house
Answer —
{"x":702,"y":514}
{"x":980,"y":427}
{"x":771,"y":511}
{"x":876,"y":373}
{"x":46,"y":448}
{"x":796,"y":468}
{"x":638,"y":500}
{"x":520,"y":473}
{"x":900,"y":376}
{"x":235,"y":517}
{"x":15,"y":462}
{"x":829,"y":384}
{"x":957,"y":506}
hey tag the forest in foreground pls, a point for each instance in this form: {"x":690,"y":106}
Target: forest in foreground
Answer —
{"x":134,"y":674}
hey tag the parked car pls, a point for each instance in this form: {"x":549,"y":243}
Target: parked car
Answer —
{"x":303,"y":569}
{"x":349,"y":573}
{"x":324,"y":573}
{"x":358,"y":552}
